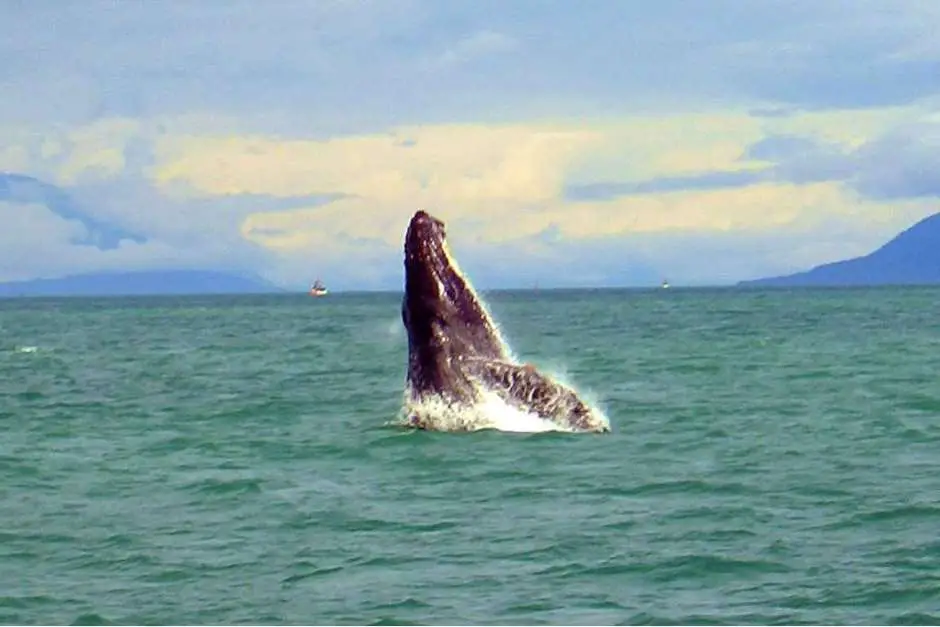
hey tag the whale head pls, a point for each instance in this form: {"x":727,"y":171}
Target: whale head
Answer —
{"x":445,"y":320}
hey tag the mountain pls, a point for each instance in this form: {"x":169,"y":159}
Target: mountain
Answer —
{"x":911,"y":258}
{"x":139,"y":283}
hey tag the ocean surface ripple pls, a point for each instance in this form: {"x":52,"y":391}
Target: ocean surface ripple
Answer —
{"x":208,"y":460}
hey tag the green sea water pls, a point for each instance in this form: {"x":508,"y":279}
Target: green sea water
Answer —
{"x":210,"y":460}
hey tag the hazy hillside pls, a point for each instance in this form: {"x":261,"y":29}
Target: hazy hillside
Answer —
{"x":139,"y":283}
{"x":911,"y":258}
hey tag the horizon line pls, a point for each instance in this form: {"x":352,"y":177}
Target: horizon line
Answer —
{"x":501,"y":290}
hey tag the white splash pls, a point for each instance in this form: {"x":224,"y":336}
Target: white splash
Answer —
{"x":505,"y":417}
{"x":393,"y":329}
{"x":490,"y":412}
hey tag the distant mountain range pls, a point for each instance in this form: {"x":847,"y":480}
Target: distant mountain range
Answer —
{"x":911,"y":258}
{"x":154,"y":282}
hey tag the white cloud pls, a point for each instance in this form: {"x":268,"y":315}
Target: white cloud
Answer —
{"x":34,"y":242}
{"x":161,"y":119}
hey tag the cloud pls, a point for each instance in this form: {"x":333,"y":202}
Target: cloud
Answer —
{"x":368,"y":65}
{"x":468,"y":174}
{"x":901,"y":164}
{"x":841,"y":54}
{"x":30,"y":192}
{"x":509,"y":186}
{"x":35,"y":242}
{"x":51,"y":231}
{"x":455,"y":163}
{"x":898,"y":163}
{"x":496,"y":183}
{"x":623,"y":142}
{"x":289,"y":207}
{"x":702,"y":182}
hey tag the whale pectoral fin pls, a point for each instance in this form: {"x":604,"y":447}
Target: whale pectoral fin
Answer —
{"x":524,"y":386}
{"x":521,"y":382}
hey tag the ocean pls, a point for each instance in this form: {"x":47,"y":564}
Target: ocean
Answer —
{"x":229,"y":459}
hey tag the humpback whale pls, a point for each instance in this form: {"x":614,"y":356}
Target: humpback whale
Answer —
{"x":458,"y":363}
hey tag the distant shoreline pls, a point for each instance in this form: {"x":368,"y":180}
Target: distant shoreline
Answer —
{"x":503,"y":290}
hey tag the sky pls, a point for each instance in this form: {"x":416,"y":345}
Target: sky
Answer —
{"x":593,"y":143}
